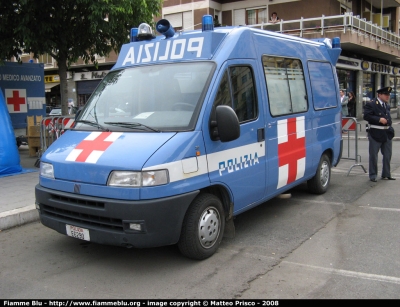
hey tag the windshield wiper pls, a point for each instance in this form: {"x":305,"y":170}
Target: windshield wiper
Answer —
{"x":92,"y":123}
{"x":131,"y":125}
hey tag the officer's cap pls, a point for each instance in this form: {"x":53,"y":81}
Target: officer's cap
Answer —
{"x":384,"y":90}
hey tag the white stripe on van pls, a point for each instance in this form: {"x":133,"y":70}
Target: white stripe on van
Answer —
{"x":222,"y":161}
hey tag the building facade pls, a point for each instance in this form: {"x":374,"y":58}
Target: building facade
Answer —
{"x":368,"y":29}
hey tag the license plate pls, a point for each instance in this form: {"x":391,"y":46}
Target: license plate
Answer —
{"x":78,"y":232}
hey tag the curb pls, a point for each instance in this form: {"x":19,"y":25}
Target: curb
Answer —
{"x":17,"y":217}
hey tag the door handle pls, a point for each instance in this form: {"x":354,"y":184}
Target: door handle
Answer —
{"x":260,"y":134}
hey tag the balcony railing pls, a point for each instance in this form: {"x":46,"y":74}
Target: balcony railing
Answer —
{"x":325,"y":24}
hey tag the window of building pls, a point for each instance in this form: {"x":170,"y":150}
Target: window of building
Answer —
{"x":368,"y":87}
{"x":46,"y":59}
{"x":239,"y":17}
{"x":347,"y":80}
{"x":343,"y":78}
{"x":394,"y":95}
{"x":256,"y":16}
{"x":285,"y":85}
{"x":176,"y":20}
{"x":217,"y":18}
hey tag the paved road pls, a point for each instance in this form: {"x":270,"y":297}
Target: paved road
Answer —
{"x":343,"y":244}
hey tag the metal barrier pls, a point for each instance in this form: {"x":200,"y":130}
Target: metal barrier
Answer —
{"x":51,"y":128}
{"x":324,"y":24}
{"x":350,"y":124}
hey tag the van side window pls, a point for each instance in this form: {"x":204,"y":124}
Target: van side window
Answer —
{"x":285,"y":85}
{"x":322,"y":85}
{"x":223,"y":94}
{"x":236,"y":89}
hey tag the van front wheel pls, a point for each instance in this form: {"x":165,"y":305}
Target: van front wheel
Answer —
{"x":203,"y":227}
{"x":320,"y":182}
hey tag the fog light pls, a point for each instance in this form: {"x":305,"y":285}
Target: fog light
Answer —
{"x":37,"y":206}
{"x":135,"y":226}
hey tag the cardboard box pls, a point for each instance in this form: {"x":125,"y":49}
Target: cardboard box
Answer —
{"x":34,"y":120}
{"x":33,"y":141}
{"x":33,"y":131}
{"x":33,"y":127}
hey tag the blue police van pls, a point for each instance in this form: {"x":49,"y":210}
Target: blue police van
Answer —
{"x":189,"y":130}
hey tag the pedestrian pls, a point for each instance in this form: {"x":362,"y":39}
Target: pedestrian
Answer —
{"x":274,"y":18}
{"x":351,"y":105}
{"x":380,"y":133}
{"x":344,"y":101}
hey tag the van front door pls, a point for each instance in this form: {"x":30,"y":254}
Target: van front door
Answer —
{"x":238,"y":165}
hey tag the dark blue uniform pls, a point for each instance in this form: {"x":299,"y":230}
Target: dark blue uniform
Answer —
{"x":380,"y":137}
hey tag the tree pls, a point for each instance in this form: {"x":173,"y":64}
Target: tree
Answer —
{"x":70,"y":29}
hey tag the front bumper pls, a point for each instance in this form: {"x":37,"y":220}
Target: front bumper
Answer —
{"x":108,"y":219}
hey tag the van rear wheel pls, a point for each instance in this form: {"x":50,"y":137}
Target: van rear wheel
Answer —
{"x":320,"y":182}
{"x":203,"y":227}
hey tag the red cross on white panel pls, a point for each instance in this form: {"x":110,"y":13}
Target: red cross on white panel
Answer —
{"x":92,"y":147}
{"x":16,"y":100}
{"x":291,"y":150}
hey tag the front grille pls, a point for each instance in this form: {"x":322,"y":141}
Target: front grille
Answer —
{"x":77,"y":201}
{"x":82,"y":219}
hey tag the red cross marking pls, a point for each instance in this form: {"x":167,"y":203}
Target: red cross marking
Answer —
{"x":292,"y":150}
{"x":16,"y":100}
{"x":88,"y":147}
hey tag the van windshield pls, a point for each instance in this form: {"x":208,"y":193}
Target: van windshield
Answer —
{"x":155,"y":98}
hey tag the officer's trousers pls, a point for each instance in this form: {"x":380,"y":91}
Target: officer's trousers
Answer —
{"x":386,"y":150}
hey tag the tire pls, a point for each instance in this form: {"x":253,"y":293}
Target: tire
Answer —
{"x":320,"y":182}
{"x":203,"y":227}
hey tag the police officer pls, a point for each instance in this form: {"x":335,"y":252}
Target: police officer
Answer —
{"x":380,"y":133}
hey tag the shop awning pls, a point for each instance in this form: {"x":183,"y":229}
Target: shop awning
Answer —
{"x":49,"y":86}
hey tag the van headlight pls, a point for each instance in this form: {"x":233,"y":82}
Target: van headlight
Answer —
{"x":46,"y":170}
{"x":138,"y":179}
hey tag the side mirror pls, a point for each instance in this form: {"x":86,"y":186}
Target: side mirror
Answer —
{"x":227,"y":124}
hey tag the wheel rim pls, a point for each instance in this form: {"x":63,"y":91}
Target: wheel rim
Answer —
{"x":209,"y":227}
{"x":324,"y":173}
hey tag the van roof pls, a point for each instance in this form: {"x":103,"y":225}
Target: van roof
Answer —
{"x":201,"y":45}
